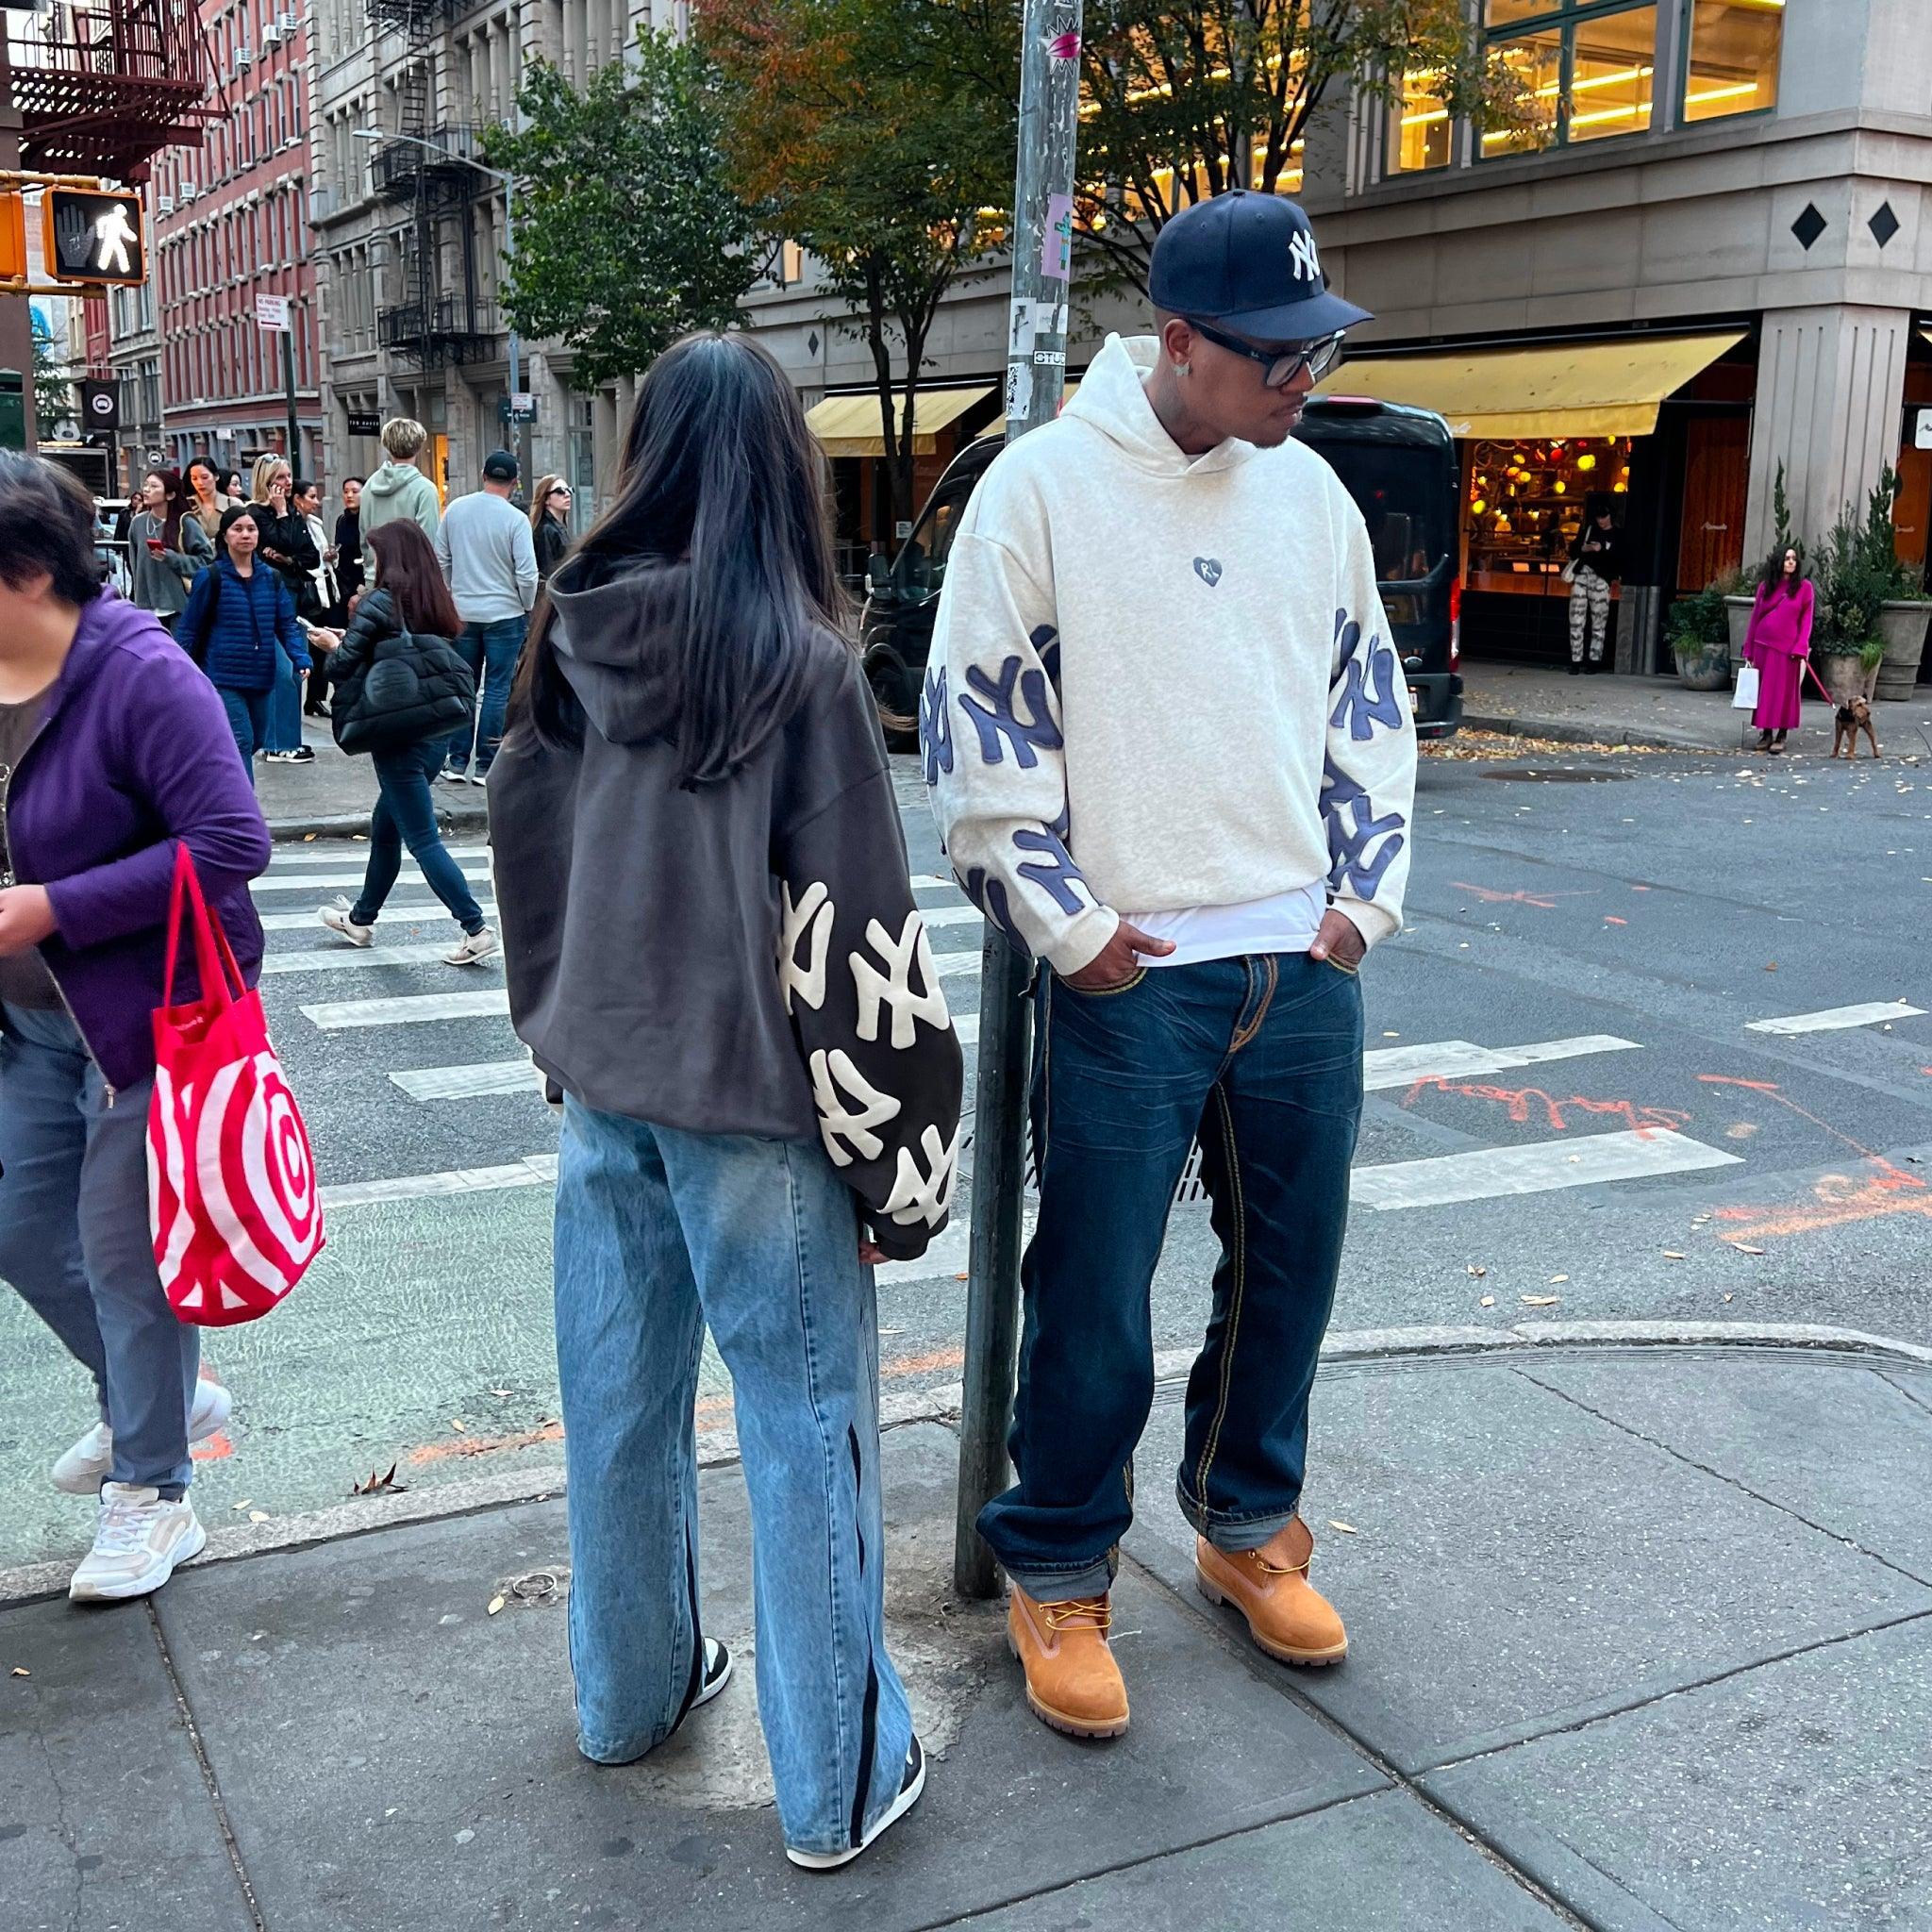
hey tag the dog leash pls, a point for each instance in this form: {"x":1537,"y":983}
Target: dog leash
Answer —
{"x":1812,"y":669}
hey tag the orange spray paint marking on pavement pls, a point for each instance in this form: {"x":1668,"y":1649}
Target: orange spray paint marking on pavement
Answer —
{"x":213,"y":1448}
{"x":1490,"y":896}
{"x":1523,"y":1102}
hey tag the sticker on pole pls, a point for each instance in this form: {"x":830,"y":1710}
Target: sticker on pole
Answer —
{"x":271,"y":311}
{"x":1018,"y":390}
{"x":1056,"y":244}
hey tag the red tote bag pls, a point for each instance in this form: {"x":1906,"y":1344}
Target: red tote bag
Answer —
{"x":232,"y":1197}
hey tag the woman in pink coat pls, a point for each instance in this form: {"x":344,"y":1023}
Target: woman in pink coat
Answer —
{"x":1778,"y":642}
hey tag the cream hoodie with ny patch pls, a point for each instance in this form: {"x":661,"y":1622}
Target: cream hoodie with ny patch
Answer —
{"x":1160,"y":681}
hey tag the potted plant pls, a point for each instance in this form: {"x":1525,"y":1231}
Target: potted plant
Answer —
{"x":1902,"y":609}
{"x":1855,"y":581}
{"x":1700,"y":632}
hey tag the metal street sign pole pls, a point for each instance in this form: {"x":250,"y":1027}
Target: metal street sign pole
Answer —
{"x":288,"y":398}
{"x":1036,"y":376}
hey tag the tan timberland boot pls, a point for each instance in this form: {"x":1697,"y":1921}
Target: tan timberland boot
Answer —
{"x":1072,"y":1682}
{"x":1287,"y":1616}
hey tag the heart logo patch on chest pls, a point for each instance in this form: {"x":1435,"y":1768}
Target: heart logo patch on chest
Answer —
{"x":1208,"y":569}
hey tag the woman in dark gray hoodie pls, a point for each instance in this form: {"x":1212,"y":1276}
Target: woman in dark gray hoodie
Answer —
{"x":712,"y":948}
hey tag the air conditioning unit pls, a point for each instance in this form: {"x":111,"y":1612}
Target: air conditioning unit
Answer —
{"x":271,"y":35}
{"x":164,"y":204}
{"x":243,"y":60}
{"x":292,"y":24}
{"x":189,"y":191}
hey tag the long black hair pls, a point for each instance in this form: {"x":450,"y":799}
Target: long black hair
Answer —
{"x":1772,"y":575}
{"x":721,"y":474}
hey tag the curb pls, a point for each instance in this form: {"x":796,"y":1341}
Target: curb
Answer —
{"x":1393,"y":1348}
{"x":1612,"y":737}
{"x":469,"y":816}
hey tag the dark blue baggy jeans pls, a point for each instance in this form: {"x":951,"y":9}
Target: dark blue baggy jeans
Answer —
{"x":1261,"y":1056}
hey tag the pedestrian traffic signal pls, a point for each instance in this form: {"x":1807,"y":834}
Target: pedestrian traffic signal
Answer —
{"x":93,"y":235}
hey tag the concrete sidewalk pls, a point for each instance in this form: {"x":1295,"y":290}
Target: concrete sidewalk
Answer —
{"x":333,"y":797}
{"x":1543,"y":701}
{"x":1642,"y":1639}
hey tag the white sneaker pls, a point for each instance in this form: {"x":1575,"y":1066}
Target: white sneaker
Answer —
{"x":338,"y":920}
{"x":910,"y":1787}
{"x":137,"y":1543}
{"x":84,"y":1468}
{"x":478,"y":777}
{"x":476,"y":948}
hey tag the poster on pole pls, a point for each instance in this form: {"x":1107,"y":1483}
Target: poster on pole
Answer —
{"x":272,"y":312}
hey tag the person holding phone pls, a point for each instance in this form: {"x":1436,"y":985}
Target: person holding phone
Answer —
{"x":165,"y":547}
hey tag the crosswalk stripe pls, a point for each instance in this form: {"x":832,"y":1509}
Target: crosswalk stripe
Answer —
{"x":1488,"y":1173}
{"x":1870,"y":1014}
{"x":310,"y":882}
{"x":333,"y":1016}
{"x":348,"y":959}
{"x":949,"y":915}
{"x":344,"y":854}
{"x":392,"y":914}
{"x":1400,"y":1066}
{"x":468,"y":1083}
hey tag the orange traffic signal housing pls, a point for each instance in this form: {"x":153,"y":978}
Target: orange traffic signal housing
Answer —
{"x":93,"y":235}
{"x":13,"y":236}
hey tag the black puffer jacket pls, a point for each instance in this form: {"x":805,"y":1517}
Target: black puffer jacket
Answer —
{"x":393,"y":687}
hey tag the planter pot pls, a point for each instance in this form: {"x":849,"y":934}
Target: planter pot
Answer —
{"x":1902,"y":627}
{"x":1845,"y":678}
{"x":1739,"y":611}
{"x":1704,"y":666}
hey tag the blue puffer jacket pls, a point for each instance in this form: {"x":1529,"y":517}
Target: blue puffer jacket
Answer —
{"x":233,"y":632}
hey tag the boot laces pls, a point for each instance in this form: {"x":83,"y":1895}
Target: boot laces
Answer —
{"x":1079,"y":1613}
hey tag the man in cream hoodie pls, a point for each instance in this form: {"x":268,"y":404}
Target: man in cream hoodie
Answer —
{"x":1171,"y":754}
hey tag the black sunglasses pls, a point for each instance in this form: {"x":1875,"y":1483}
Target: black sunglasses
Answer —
{"x":1282,"y":365}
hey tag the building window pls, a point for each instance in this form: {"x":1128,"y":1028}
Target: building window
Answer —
{"x":1589,"y":65}
{"x":1733,"y":53}
{"x":1422,"y":132}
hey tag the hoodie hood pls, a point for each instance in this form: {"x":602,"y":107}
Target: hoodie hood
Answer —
{"x":612,"y":627}
{"x":1113,"y":398}
{"x":393,"y":479}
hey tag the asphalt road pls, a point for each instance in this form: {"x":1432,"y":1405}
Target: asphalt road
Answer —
{"x":1571,"y":1100}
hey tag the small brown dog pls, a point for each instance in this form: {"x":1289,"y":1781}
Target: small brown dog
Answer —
{"x":1852,"y":719}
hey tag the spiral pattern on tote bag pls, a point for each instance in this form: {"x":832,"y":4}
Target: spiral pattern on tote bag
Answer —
{"x":257,"y":1173}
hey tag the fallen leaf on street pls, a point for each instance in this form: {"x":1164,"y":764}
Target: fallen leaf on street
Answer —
{"x":1346,"y":1528}
{"x":380,"y":1483}
{"x":496,"y":1604}
{"x":500,"y":1392}
{"x":960,"y":1276}
{"x":1478,"y":1272}
{"x":237,"y":1507}
{"x":1488,"y":1301}
{"x":1770,"y":966}
{"x":309,"y":837}
{"x":258,"y":1516}
{"x":1540,"y":1301}
{"x":456,"y":1423}
{"x":1672,"y":1254}
{"x":1727,"y":1297}
{"x":22,"y":1671}
{"x":1743,"y":1248}
{"x":1556,"y":1279}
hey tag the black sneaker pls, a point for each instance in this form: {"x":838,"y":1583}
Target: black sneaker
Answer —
{"x":717,"y":1672}
{"x":910,"y":1787}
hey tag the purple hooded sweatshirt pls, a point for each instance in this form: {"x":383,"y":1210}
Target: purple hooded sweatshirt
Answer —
{"x":132,"y":756}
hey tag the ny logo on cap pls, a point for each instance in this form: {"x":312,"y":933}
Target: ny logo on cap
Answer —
{"x":1301,"y":257}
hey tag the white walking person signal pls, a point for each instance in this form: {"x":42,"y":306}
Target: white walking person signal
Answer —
{"x":113,"y":233}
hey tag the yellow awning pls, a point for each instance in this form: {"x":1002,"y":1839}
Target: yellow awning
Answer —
{"x":1567,"y":389}
{"x":849,"y":426}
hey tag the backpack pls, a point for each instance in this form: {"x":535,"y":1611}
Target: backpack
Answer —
{"x":415,"y":686}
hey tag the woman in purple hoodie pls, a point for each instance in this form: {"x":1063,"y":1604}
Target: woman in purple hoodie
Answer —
{"x":114,"y":750}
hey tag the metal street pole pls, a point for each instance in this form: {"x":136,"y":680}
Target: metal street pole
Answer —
{"x":288,"y":398}
{"x":1036,"y":379}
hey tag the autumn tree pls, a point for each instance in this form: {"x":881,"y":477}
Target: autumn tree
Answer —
{"x":878,"y":135}
{"x":1187,"y":99}
{"x":629,"y":231}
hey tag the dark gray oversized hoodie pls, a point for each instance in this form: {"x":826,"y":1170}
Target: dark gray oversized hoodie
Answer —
{"x":745,"y":957}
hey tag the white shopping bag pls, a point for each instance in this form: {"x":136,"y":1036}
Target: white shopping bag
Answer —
{"x":1745,"y":697}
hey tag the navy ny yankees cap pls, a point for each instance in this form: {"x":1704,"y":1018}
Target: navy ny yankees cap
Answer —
{"x":1247,"y":260}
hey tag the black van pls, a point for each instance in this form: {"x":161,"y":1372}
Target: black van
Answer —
{"x":1398,"y":463}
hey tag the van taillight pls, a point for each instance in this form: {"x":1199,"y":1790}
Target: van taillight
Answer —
{"x":1455,"y":624}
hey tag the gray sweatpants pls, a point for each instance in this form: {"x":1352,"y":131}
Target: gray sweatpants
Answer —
{"x":75,"y":1241}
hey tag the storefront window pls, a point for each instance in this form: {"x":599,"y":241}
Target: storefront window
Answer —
{"x":1421,"y":129}
{"x":1733,"y":61}
{"x":1524,"y":502}
{"x":1589,"y":67}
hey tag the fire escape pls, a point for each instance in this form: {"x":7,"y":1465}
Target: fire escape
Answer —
{"x":430,"y":326}
{"x":100,"y":89}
